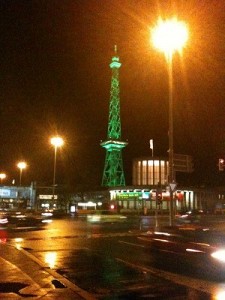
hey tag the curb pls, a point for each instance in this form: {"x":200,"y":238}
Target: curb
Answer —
{"x":82,"y":293}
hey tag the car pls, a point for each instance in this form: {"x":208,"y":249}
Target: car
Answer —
{"x":191,"y":216}
{"x":54,"y":213}
{"x":18,"y":220}
{"x":191,"y":245}
{"x":3,"y":220}
{"x":106,"y":216}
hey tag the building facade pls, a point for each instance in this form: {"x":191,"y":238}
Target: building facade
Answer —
{"x":17,"y":197}
{"x":152,"y":171}
{"x":150,"y":190}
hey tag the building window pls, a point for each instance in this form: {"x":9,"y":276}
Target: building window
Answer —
{"x":139,"y":173}
{"x":150,"y":172}
{"x":144,"y":172}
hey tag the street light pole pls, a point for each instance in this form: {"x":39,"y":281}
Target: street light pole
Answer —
{"x":54,"y":172}
{"x":170,"y":36}
{"x":171,"y":178}
{"x":56,"y":142}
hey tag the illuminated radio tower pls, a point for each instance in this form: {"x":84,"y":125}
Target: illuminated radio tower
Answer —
{"x":113,"y":170}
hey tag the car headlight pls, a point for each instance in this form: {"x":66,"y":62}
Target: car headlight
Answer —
{"x":219,"y":255}
{"x":3,"y":221}
{"x":96,"y":218}
{"x":93,"y":218}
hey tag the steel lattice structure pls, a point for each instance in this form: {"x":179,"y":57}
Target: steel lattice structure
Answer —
{"x":113,"y":174}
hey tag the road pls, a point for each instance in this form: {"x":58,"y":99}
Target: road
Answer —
{"x":111,"y":262}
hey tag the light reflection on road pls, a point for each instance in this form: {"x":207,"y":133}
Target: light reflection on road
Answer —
{"x":68,"y":247}
{"x":51,"y":259}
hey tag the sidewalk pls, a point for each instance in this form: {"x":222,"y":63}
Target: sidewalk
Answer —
{"x":24,"y":276}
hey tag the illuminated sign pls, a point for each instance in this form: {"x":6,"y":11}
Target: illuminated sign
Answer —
{"x":47,"y":197}
{"x":146,"y":194}
{"x":5,"y":193}
{"x":128,"y":195}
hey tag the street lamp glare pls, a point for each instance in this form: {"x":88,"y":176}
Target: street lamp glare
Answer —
{"x":2,"y":176}
{"x":169,"y":35}
{"x":57,"y":141}
{"x":22,"y":165}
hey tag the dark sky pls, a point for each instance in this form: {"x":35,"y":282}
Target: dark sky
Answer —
{"x":55,"y":78}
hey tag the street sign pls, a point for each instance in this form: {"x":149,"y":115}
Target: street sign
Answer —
{"x":183,"y":163}
{"x":173,"y":186}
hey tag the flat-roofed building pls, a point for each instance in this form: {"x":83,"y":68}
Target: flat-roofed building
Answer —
{"x":150,"y":171}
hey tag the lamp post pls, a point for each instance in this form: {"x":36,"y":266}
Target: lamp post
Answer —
{"x":170,"y":36}
{"x":56,"y":142}
{"x":21,"y":165}
{"x":2,"y":176}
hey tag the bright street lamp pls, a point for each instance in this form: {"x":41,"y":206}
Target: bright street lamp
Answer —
{"x":56,"y":142}
{"x":2,"y":176}
{"x":21,"y":165}
{"x":170,"y":36}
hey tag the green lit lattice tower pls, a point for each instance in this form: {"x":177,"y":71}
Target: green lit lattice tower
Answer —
{"x":113,"y":170}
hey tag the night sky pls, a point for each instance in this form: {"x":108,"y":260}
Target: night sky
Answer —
{"x":55,"y":79}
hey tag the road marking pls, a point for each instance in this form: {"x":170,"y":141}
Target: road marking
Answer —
{"x":83,"y":236}
{"x":208,"y":287}
{"x":131,"y":244}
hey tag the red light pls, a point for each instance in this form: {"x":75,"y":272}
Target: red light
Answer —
{"x":221,"y":164}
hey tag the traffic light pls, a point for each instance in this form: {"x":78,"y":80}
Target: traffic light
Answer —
{"x":221,"y":164}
